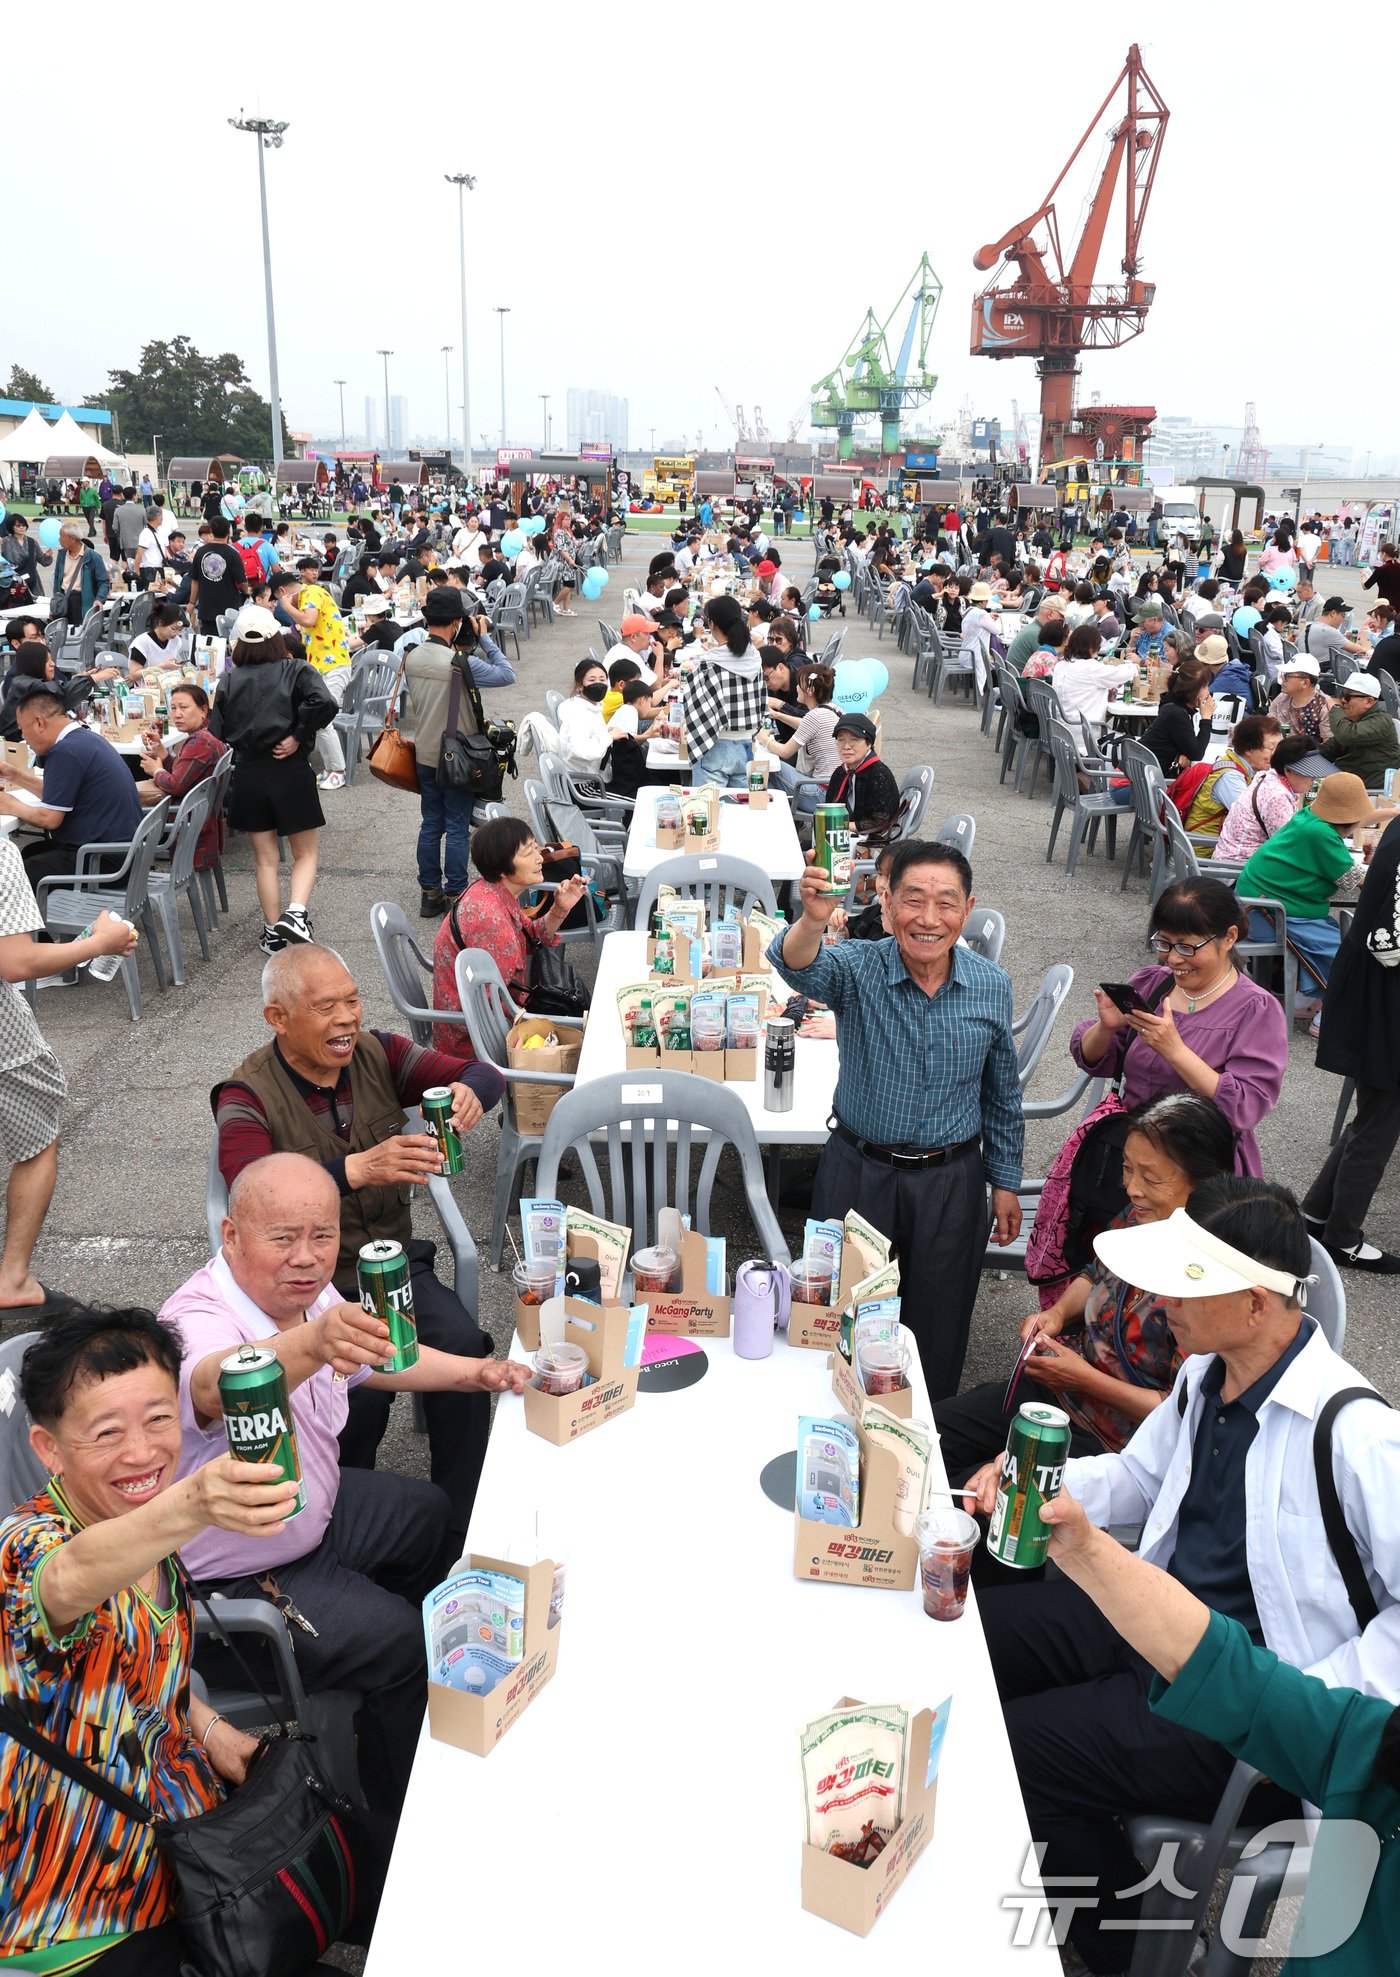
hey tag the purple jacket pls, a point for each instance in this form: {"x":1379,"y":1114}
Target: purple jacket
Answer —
{"x":1242,"y":1035}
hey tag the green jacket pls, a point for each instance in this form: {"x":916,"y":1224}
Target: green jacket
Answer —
{"x":1367,"y":748}
{"x":1320,"y":1743}
{"x":1299,"y":866}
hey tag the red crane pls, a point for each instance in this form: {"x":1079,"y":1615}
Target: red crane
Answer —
{"x":1050,"y":311}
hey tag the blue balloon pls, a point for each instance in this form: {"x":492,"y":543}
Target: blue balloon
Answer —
{"x":814,"y":611}
{"x":842,"y":580}
{"x":600,"y":576}
{"x":2,"y":511}
{"x":512,"y":542}
{"x":48,"y":532}
{"x":592,"y":590}
{"x":533,"y":525}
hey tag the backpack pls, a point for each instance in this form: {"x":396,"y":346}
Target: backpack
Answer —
{"x":251,"y":561}
{"x":1183,"y":790}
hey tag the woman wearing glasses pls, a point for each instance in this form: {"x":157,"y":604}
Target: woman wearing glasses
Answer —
{"x":1209,"y":1028}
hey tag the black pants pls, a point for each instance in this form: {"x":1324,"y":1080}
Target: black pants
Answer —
{"x":936,"y":1219}
{"x":1089,"y":1750}
{"x":458,"y":1424}
{"x":362,"y":1590}
{"x":46,"y":859}
{"x":1354,"y":1169}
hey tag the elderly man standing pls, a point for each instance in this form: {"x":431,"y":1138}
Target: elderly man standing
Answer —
{"x":330,"y":1089}
{"x":80,"y":577}
{"x":355,"y":1564}
{"x":928,"y":1105}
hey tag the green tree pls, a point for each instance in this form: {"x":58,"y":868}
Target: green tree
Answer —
{"x":197,"y":404}
{"x":24,"y":385}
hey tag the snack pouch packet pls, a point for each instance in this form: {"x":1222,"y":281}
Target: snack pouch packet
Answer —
{"x":742,"y":1027}
{"x":912,"y":1442}
{"x":707,"y":1018}
{"x":828,"y":1472}
{"x":612,"y":1241}
{"x":542,"y":1225}
{"x":854,"y":1763}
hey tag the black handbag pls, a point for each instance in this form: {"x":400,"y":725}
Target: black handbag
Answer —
{"x":554,"y":988}
{"x":269,"y":1879}
{"x":477,"y":762}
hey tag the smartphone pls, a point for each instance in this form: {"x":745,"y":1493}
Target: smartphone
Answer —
{"x":1125,"y":998}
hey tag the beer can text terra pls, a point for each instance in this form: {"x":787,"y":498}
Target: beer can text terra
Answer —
{"x":386,"y":1289}
{"x":258,"y":1414}
{"x":1032,"y":1470}
{"x":831,"y":842}
{"x":436,"y":1106}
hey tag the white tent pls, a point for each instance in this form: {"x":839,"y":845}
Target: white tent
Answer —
{"x":33,"y":440}
{"x":67,"y":436}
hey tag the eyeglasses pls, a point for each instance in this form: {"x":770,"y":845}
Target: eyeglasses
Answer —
{"x":1187,"y":949}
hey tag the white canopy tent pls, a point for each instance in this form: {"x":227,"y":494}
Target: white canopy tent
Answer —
{"x":33,"y":439}
{"x":67,"y":436}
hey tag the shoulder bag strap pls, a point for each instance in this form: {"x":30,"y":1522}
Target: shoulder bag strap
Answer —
{"x":14,"y":1725}
{"x":462,"y":668}
{"x":391,"y":710}
{"x":454,"y":702}
{"x":1334,"y":1523}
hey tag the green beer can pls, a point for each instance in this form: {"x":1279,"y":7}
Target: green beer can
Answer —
{"x":436,"y":1107}
{"x":258,"y":1414}
{"x":1032,"y":1470}
{"x":831,"y":841}
{"x":386,"y":1289}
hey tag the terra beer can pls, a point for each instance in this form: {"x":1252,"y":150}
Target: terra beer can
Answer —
{"x":258,"y":1414}
{"x":386,"y":1289}
{"x":1032,"y":1469}
{"x":831,"y":841}
{"x":436,"y":1107}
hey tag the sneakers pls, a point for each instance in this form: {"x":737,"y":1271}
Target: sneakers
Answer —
{"x":432,"y":903}
{"x":294,"y":927}
{"x":331,"y":779}
{"x":271,"y":941}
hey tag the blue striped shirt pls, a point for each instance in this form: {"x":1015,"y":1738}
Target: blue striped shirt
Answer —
{"x":920,"y":1070}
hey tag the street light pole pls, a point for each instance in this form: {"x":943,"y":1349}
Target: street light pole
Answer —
{"x":269,"y":136}
{"x":544,"y":401}
{"x":503,"y":313}
{"x":447,"y":398}
{"x":156,"y":438}
{"x":340,"y":382}
{"x":464,"y":183}
{"x":386,"y":355}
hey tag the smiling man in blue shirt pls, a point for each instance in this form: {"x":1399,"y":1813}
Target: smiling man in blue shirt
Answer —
{"x":928,"y":1103}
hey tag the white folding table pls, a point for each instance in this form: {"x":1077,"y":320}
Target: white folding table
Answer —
{"x":646,"y":1808}
{"x":767,"y":838}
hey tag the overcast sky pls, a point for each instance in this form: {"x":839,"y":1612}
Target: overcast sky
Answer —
{"x":670,"y":200}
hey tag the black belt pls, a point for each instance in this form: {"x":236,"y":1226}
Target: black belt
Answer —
{"x":898,"y":1156}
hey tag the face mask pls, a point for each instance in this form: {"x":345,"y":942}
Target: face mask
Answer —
{"x":596,"y":692}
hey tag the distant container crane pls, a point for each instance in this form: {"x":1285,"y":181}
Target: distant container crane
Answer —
{"x":867,"y":381}
{"x":1052,"y":311}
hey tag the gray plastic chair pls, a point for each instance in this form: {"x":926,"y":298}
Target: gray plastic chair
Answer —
{"x":488,"y":1011}
{"x":1085,"y":812}
{"x":166,"y":885}
{"x":210,"y":877}
{"x":408,"y":971}
{"x":1144,"y":773}
{"x":366,"y":702}
{"x":1253,"y":950}
{"x":720,"y":880}
{"x":696,"y":1117}
{"x":1032,"y":1031}
{"x":960,"y":831}
{"x":985,"y":932}
{"x":69,"y":904}
{"x":915,"y":789}
{"x":1015,"y":744}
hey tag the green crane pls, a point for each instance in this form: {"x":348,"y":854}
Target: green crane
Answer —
{"x":865,"y":381}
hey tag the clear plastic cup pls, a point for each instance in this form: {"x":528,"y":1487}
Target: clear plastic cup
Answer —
{"x":654,"y":1270}
{"x":534,"y":1282}
{"x":946,"y":1539}
{"x":811,"y":1282}
{"x":883,"y":1365}
{"x":560,"y":1369}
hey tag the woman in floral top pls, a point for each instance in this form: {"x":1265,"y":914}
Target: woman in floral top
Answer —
{"x":488,"y":915}
{"x":175,"y":773}
{"x":1105,"y":1351}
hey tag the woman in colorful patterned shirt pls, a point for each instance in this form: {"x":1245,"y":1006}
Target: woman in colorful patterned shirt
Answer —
{"x":1106,"y":1353}
{"x":95,"y":1644}
{"x":174,"y":772}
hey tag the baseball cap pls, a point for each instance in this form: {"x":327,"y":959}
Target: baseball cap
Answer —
{"x":1213,"y":650}
{"x":635,"y":622}
{"x":443,"y":606}
{"x":1334,"y":604}
{"x":1301,"y":662}
{"x":856,"y":724}
{"x":1178,"y":1258}
{"x":1209,"y":621}
{"x":373,"y":606}
{"x":254,"y":625}
{"x":1366,"y":683}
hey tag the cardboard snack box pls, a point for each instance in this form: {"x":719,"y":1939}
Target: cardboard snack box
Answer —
{"x":601,"y":1329}
{"x":477,"y":1723}
{"x":534,"y":1103}
{"x":854,"y":1897}
{"x":692,"y":1311}
{"x":818,"y":1326}
{"x":875,"y":1553}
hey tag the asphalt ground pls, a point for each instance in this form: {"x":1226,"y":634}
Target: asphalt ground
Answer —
{"x":127,"y":1224}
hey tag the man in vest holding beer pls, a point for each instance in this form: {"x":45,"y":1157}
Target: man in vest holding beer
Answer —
{"x":336,"y":1092}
